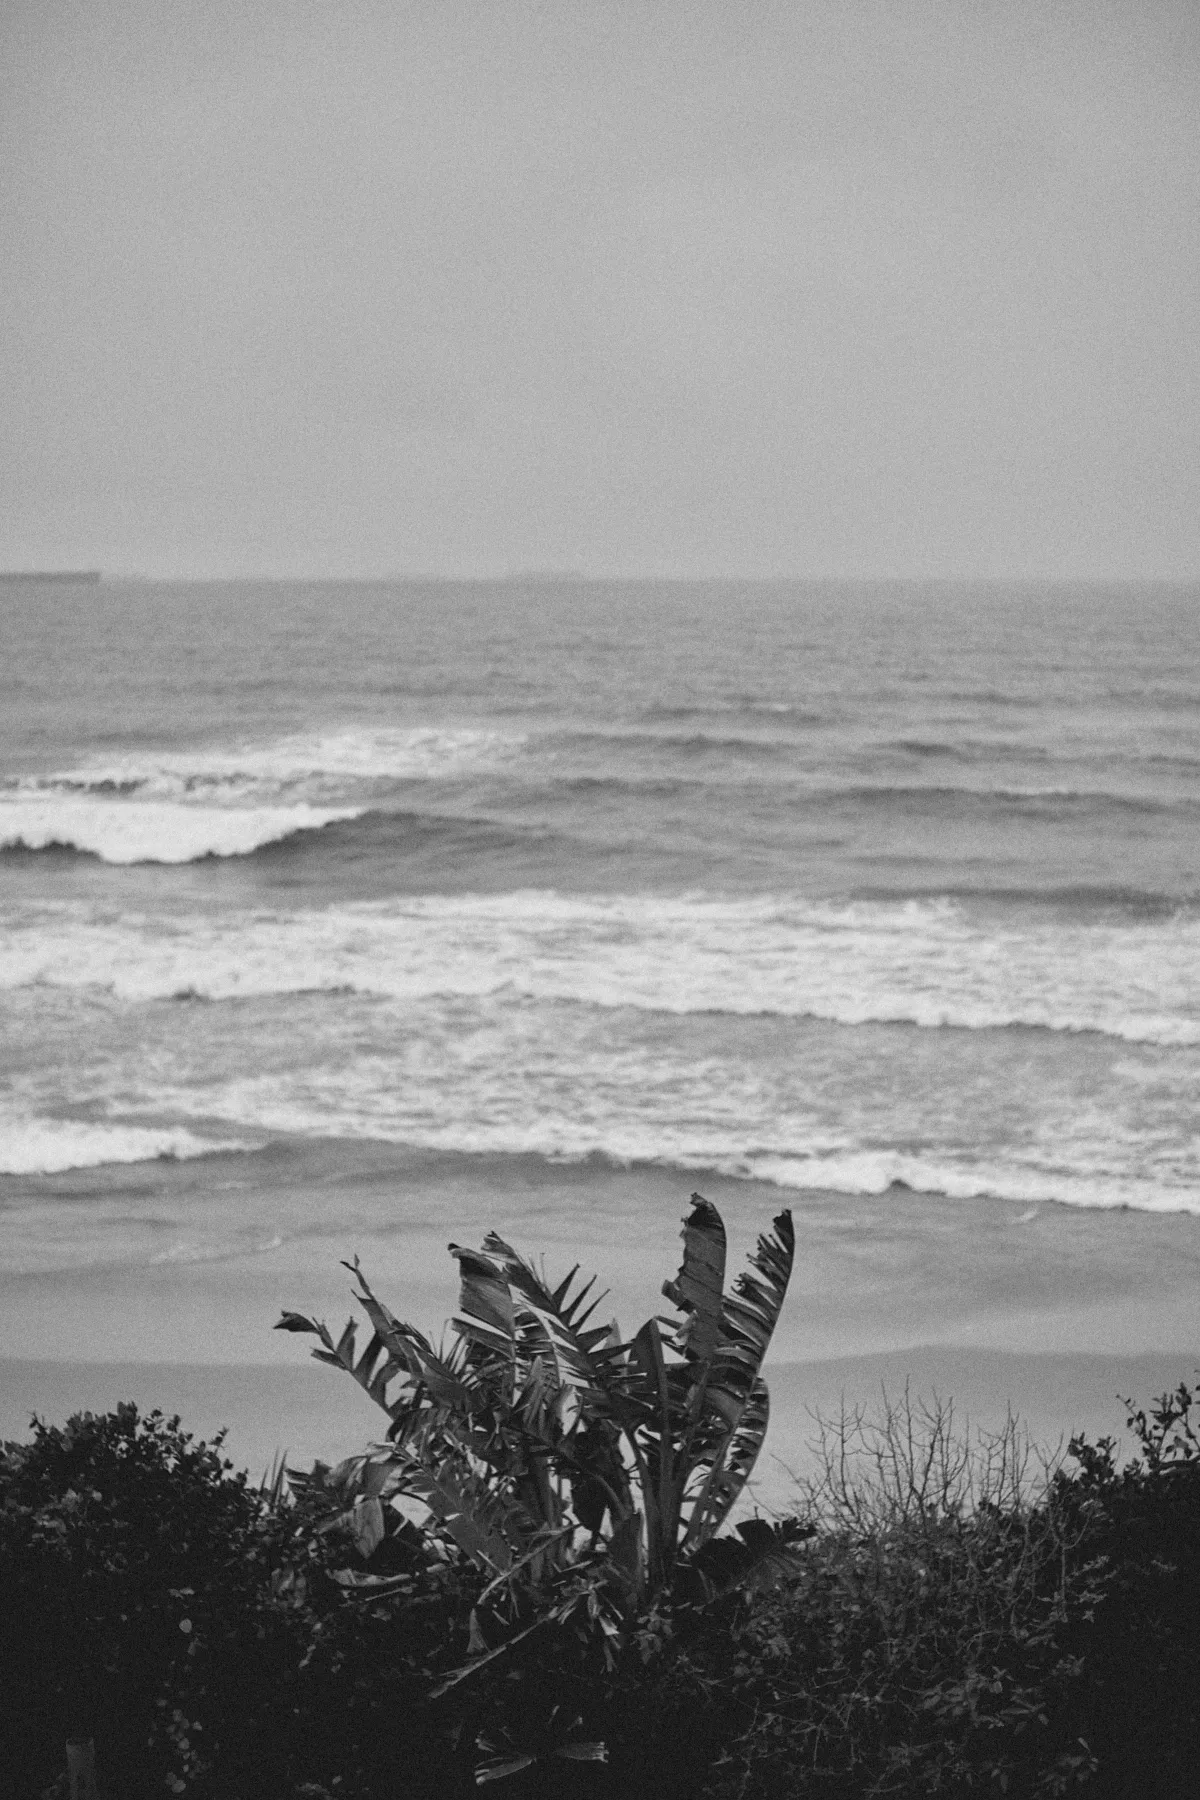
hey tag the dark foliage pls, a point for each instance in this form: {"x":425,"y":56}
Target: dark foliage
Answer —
{"x":155,"y":1601}
{"x":950,"y":1644}
{"x":1139,"y":1526}
{"x":123,"y":1555}
{"x":945,"y":1635}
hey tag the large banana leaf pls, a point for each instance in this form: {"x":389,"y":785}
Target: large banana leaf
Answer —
{"x":486,"y":1302}
{"x":655,"y":1442}
{"x":733,"y":1421}
{"x":731,"y":1468}
{"x":699,"y":1288}
{"x":441,"y":1377}
{"x":695,"y":1427}
{"x":751,"y":1314}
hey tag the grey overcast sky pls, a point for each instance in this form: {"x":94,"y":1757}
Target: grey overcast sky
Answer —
{"x":806,"y":288}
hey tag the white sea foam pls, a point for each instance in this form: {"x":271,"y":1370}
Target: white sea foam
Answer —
{"x":922,"y":963}
{"x":626,"y":1025}
{"x":253,"y":773}
{"x":176,"y":806}
{"x":46,"y":1146}
{"x":143,"y":831}
{"x":631,"y":1115}
{"x":874,"y":1172}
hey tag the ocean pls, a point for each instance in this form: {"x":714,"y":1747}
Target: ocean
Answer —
{"x":888,"y":893}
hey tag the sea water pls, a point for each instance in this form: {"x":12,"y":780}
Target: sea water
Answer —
{"x":838,"y":887}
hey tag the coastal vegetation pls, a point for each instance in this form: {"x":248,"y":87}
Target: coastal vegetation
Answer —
{"x":537,"y":1582}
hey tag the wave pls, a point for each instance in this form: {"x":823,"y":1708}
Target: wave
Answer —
{"x":180,"y":806}
{"x":920,"y":747}
{"x":968,"y":750}
{"x":288,"y":766}
{"x":991,"y":696}
{"x":266,"y":1107}
{"x":1081,"y":900}
{"x":686,"y":744}
{"x":153,"y":832}
{"x":44,"y":1146}
{"x":1041,"y":802}
{"x":941,"y":801}
{"x":784,"y":711}
{"x":635,"y":787}
{"x":931,"y":963}
{"x":150,"y":831}
{"x":118,"y":827}
{"x":881,"y":1171}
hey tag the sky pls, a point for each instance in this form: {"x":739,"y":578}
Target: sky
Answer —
{"x":819,"y":289}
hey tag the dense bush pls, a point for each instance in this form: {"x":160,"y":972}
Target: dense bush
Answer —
{"x":955,"y":1633}
{"x":124,"y":1554}
{"x":920,"y":1650}
{"x":959,"y":1623}
{"x":1139,"y":1526}
{"x":157,"y":1603}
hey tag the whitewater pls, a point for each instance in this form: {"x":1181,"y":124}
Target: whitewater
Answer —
{"x":925,"y":963}
{"x":832,"y":888}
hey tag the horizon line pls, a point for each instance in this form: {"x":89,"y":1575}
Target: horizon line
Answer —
{"x":596,"y":578}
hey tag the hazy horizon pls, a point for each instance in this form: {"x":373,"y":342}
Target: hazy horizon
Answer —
{"x":845,"y":291}
{"x":591,"y":578}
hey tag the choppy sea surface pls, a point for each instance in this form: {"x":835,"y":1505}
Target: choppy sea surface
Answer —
{"x":833,"y":886}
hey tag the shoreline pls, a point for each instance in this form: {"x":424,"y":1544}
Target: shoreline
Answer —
{"x":568,"y":1169}
{"x":1055,"y":1309}
{"x":192,"y":1261}
{"x":306,"y":1411}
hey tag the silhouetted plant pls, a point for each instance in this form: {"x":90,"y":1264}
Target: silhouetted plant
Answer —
{"x":584,"y":1477}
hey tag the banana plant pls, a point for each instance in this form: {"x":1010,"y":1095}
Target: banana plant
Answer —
{"x":581,"y":1474}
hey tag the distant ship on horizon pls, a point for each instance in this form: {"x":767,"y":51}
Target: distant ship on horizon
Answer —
{"x":85,"y":577}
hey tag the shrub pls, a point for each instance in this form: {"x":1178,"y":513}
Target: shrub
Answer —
{"x":124,"y":1553}
{"x":916,"y":1652}
{"x":191,"y":1625}
{"x":1140,"y":1527}
{"x":960,"y":1628}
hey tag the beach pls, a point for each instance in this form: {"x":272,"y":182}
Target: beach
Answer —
{"x":993,"y":1306}
{"x":350,"y":919}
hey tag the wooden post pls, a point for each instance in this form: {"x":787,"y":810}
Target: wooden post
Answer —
{"x":81,"y":1768}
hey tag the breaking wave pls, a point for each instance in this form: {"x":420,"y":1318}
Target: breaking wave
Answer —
{"x":180,"y":806}
{"x":151,"y":831}
{"x":933,"y":963}
{"x":46,"y":1146}
{"x":254,"y":772}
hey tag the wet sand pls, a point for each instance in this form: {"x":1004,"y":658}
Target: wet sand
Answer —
{"x":169,"y":1294}
{"x":192,"y":1262}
